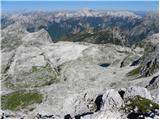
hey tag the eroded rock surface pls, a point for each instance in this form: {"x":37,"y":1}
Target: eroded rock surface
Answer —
{"x":77,"y":80}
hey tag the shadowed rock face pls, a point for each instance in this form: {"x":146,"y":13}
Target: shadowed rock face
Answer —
{"x":99,"y":102}
{"x":154,"y":83}
{"x":104,"y":65}
{"x":150,"y":60}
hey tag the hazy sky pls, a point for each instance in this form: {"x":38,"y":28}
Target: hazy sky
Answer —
{"x":71,"y":5}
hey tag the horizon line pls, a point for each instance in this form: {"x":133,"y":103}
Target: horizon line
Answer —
{"x":71,"y":10}
{"x":61,"y":5}
{"x":80,"y":0}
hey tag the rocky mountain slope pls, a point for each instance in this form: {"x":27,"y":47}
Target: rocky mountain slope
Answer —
{"x":43,"y":79}
{"x":132,"y":27}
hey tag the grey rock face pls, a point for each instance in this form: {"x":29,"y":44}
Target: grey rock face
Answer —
{"x":153,"y":39}
{"x":129,"y":60}
{"x":62,"y":52}
{"x":153,"y":86}
{"x":107,"y":114}
{"x":111,"y":100}
{"x":81,"y":104}
{"x":7,"y":58}
{"x":27,"y":66}
{"x":136,"y":90}
{"x":12,"y":37}
{"x":74,"y":105}
{"x":150,"y":64}
{"x":154,"y":83}
{"x":150,"y":59}
{"x":30,"y":69}
{"x":37,"y":38}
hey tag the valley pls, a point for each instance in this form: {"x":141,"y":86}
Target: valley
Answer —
{"x":80,"y":64}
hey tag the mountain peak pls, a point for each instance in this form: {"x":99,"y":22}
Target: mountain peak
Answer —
{"x":87,"y":12}
{"x":37,"y":38}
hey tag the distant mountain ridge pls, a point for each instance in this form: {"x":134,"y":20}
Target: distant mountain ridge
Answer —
{"x":59,"y":24}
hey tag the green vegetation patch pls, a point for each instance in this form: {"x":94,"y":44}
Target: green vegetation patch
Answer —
{"x":142,"y":104}
{"x":40,"y":68}
{"x":92,"y":107}
{"x":46,"y":74}
{"x":9,"y":84}
{"x":135,"y":72}
{"x":97,"y":37}
{"x":38,"y":76}
{"x":20,"y":99}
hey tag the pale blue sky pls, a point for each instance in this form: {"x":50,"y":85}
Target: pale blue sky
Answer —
{"x":72,"y":5}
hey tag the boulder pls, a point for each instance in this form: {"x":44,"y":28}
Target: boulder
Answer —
{"x":111,"y":100}
{"x":74,"y":105}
